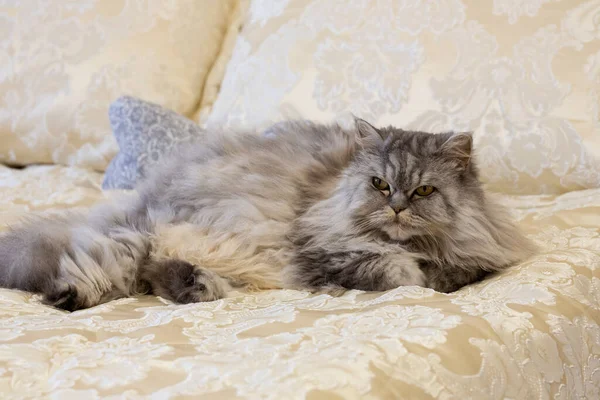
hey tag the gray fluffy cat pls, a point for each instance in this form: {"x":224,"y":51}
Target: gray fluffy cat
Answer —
{"x":311,"y":207}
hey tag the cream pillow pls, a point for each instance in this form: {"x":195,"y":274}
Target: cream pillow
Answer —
{"x":523,"y":75}
{"x":63,"y":62}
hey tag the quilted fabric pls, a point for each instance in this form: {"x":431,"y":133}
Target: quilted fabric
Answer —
{"x":146,"y":132}
{"x":531,"y":333}
{"x":523,"y":75}
{"x":63,"y":62}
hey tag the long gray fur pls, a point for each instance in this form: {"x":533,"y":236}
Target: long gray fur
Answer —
{"x":296,"y":208}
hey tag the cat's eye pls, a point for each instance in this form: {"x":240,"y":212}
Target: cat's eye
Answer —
{"x":424,"y":191}
{"x":380,"y":184}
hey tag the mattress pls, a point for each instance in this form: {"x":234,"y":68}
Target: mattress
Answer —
{"x":531,"y":332}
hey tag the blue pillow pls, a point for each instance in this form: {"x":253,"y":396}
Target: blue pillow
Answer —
{"x":145,"y":132}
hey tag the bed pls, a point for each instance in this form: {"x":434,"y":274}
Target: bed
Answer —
{"x":524,"y":76}
{"x":530,"y":333}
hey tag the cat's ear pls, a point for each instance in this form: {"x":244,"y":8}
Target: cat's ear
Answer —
{"x":366,"y":131}
{"x":459,"y":146}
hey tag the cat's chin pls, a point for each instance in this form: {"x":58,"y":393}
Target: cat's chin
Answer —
{"x":397,"y":232}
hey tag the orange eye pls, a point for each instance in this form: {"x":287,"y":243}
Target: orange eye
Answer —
{"x":424,"y":191}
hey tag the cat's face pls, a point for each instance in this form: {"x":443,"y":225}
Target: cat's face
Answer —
{"x":410,"y":183}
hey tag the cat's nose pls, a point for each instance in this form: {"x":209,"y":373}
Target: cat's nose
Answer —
{"x":398,"y":209}
{"x":398,"y":203}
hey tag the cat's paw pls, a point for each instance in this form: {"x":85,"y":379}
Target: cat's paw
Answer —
{"x":201,"y":285}
{"x":67,"y":299}
{"x":70,"y":298}
{"x":184,"y":283}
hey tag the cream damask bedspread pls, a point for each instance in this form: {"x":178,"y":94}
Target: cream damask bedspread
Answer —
{"x":531,"y":333}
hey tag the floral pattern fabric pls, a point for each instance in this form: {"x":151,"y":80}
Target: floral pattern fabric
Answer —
{"x":523,"y":75}
{"x":63,"y":62}
{"x":531,"y":332}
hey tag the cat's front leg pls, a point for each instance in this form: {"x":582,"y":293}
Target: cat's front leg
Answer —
{"x":317,"y":270}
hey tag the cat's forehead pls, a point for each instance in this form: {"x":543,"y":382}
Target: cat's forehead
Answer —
{"x":415,"y":143}
{"x":403,"y":166}
{"x":410,"y":157}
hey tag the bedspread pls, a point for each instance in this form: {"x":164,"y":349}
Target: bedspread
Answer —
{"x":531,"y":332}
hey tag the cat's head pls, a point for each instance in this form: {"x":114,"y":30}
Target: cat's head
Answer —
{"x":406,"y":184}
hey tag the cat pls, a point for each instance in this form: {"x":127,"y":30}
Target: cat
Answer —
{"x":308,"y":206}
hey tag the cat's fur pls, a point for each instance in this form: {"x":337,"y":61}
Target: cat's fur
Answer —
{"x":296,"y":208}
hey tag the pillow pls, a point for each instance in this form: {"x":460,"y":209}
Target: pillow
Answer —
{"x":63,"y":62}
{"x":524,"y":77}
{"x":212,"y":85}
{"x":145,"y":132}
